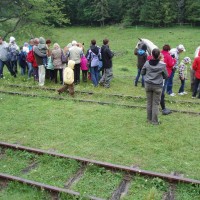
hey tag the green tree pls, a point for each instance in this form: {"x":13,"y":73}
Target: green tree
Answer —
{"x":29,"y":15}
{"x":101,"y":11}
{"x":192,"y":10}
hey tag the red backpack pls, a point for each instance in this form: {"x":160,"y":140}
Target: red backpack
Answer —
{"x":31,"y":58}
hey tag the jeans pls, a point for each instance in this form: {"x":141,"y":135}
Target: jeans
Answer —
{"x":14,"y":65}
{"x":7,"y":63}
{"x":153,"y":93}
{"x":170,"y":83}
{"x":138,"y":76}
{"x":181,"y":89}
{"x":30,"y":69}
{"x":94,"y":75}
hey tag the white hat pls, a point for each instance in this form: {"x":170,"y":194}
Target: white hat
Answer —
{"x":181,"y":47}
{"x":12,"y":39}
{"x":74,"y":42}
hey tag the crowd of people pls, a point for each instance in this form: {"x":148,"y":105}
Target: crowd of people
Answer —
{"x":158,"y":71}
{"x":41,"y":61}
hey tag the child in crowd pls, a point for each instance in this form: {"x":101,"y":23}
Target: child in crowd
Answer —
{"x":22,"y":61}
{"x":84,"y":68}
{"x":182,"y":68}
{"x":68,"y":79}
{"x":42,"y":46}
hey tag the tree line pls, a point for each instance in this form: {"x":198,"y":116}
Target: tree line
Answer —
{"x":26,"y":15}
{"x":132,"y":12}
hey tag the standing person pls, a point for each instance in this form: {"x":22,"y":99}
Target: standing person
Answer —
{"x":49,"y":72}
{"x":170,"y":62}
{"x":175,"y":53}
{"x":84,"y":68}
{"x":196,"y":68}
{"x":107,"y":56}
{"x":155,"y":71}
{"x":93,"y":56}
{"x":22,"y":61}
{"x":75,"y":54}
{"x":57,"y":62}
{"x":68,"y":79}
{"x":183,"y":74}
{"x":141,"y":59}
{"x":39,"y":59}
{"x":4,"y":60}
{"x":29,"y":63}
{"x":13,"y":53}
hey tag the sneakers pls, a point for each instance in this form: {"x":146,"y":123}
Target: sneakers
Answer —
{"x":182,"y":93}
{"x":166,"y":111}
{"x":172,"y":94}
{"x":193,"y":97}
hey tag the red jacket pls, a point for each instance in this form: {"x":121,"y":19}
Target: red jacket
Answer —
{"x":196,"y":67}
{"x":31,"y":58}
{"x":169,"y":61}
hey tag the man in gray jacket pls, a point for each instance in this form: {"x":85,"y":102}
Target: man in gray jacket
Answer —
{"x":4,"y":60}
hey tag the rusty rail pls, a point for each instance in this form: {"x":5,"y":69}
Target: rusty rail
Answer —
{"x":129,"y":170}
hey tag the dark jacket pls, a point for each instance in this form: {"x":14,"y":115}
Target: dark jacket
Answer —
{"x":106,"y":55}
{"x":141,"y":56}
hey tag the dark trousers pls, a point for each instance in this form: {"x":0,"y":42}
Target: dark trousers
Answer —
{"x":14,"y":65}
{"x":69,"y":87}
{"x":181,"y":89}
{"x":84,"y":75}
{"x":196,"y":85}
{"x":77,"y":73}
{"x":60,"y":74}
{"x":8,"y":65}
{"x":162,"y":100}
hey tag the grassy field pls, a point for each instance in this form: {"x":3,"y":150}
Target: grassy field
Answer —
{"x":109,"y":132}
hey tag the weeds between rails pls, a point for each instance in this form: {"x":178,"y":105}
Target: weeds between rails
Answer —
{"x":94,"y":101}
{"x":128,"y":174}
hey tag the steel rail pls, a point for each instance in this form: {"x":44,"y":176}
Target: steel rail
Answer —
{"x":44,"y":186}
{"x":129,"y":170}
{"x":112,"y":95}
{"x":92,"y":101}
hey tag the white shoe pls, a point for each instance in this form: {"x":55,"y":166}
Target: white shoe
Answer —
{"x":172,"y":94}
{"x":184,"y":92}
{"x":181,"y":93}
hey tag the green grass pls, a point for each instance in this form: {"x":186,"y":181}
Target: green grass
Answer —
{"x":108,"y":133}
{"x":98,"y":182}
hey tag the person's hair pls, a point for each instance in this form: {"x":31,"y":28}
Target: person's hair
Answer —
{"x":144,"y":47}
{"x":166,"y":47}
{"x":105,"y":41}
{"x":48,"y":41}
{"x":56,"y":46}
{"x":156,"y":54}
{"x":93,"y":42}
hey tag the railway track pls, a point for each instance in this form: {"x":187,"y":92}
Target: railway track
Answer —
{"x":96,"y":101}
{"x":128,"y":175}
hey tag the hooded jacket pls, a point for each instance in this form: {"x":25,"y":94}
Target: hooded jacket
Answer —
{"x":155,"y":71}
{"x":69,"y":73}
{"x":169,"y":61}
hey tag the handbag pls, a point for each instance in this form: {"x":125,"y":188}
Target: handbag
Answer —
{"x":63,"y":57}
